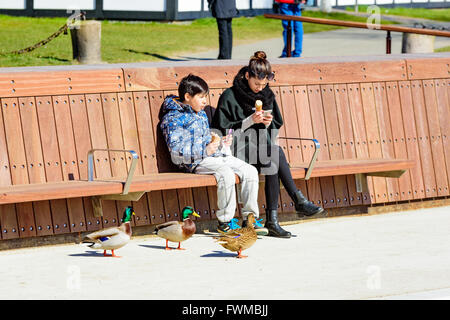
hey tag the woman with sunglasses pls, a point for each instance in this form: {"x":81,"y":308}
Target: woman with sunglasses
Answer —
{"x":254,"y":136}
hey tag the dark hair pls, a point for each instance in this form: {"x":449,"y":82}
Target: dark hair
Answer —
{"x":259,"y":67}
{"x":193,"y":85}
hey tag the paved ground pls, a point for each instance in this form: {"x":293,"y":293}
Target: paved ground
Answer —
{"x":341,"y":42}
{"x":385,"y":256}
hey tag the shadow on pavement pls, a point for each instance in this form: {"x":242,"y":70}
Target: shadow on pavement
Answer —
{"x":152,"y":246}
{"x":219,"y":254}
{"x":154,"y":55}
{"x":87,"y":254}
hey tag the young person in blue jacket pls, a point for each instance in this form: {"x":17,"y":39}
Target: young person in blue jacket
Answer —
{"x":194,"y":148}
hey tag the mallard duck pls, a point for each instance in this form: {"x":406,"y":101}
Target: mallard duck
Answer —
{"x":239,"y":239}
{"x":176,"y":231}
{"x":111,"y":238}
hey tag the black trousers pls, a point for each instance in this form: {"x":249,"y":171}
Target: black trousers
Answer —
{"x":283,"y":173}
{"x":225,"y":38}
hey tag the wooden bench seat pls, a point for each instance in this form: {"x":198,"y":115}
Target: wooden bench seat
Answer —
{"x":112,"y":188}
{"x":393,"y":168}
{"x":57,"y":190}
{"x":361,"y":168}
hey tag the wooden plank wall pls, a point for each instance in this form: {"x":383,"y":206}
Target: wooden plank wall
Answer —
{"x":354,"y":110}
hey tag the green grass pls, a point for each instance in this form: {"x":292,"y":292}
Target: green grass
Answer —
{"x":443,"y":49}
{"x":137,"y":42}
{"x":432,"y":14}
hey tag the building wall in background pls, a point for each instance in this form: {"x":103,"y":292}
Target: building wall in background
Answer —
{"x":168,"y":10}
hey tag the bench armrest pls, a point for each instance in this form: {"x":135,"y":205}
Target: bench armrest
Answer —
{"x":134,"y":155}
{"x":314,"y":157}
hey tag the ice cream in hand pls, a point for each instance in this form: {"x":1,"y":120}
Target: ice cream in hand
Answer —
{"x":258,"y":105}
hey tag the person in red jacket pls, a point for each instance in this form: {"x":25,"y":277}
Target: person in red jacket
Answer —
{"x":292,"y":8}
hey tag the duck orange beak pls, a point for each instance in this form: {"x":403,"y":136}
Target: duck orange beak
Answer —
{"x":195,"y":214}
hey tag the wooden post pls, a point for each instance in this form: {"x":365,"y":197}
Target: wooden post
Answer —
{"x":86,"y":42}
{"x":388,"y":42}
{"x":289,"y":39}
{"x":417,"y":43}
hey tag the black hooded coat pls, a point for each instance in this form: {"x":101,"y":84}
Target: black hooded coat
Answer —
{"x":236,"y":104}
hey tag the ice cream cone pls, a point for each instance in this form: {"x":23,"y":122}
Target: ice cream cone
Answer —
{"x":258,"y":105}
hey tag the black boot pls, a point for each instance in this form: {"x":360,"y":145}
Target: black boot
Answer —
{"x":272,"y":225}
{"x":304,"y":206}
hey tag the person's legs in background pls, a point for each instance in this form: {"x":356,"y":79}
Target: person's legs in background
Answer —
{"x":298,"y":33}
{"x":225,"y":38}
{"x":230,"y":38}
{"x":297,"y":30}
{"x":285,"y":8}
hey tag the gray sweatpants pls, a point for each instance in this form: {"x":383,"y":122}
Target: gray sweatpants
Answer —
{"x":224,"y":170}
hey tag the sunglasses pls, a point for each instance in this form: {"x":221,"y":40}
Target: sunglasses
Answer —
{"x":263,"y":75}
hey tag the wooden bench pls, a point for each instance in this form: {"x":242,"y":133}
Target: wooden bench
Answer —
{"x":132,"y":188}
{"x":381,"y":123}
{"x":115,"y":190}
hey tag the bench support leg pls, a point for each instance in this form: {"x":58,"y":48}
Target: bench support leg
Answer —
{"x":361,"y":182}
{"x":97,"y":206}
{"x":132,"y":196}
{"x":388,"y":174}
{"x":97,"y":200}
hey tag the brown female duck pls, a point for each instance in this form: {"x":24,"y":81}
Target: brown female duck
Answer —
{"x":239,"y":239}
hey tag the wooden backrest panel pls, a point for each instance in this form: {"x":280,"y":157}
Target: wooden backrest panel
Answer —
{"x":21,"y":82}
{"x":334,"y":142}
{"x":5,"y":171}
{"x":98,"y":135}
{"x":420,"y":114}
{"x":312,"y":187}
{"x":81,"y":134}
{"x":346,"y":135}
{"x":435,"y":135}
{"x":427,"y":68}
{"x":385,"y":140}
{"x":381,"y":107}
{"x":411,"y":138}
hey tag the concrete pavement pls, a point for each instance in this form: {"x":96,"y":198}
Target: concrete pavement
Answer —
{"x":341,"y":42}
{"x":400,"y":255}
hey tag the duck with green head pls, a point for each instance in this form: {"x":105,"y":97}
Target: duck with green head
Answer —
{"x":176,"y":231}
{"x":112,"y":238}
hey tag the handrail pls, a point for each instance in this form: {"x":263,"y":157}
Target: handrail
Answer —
{"x":135,"y":156}
{"x":352,"y":24}
{"x":314,"y":157}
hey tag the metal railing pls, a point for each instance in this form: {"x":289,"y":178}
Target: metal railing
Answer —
{"x":127,"y":184}
{"x":352,"y":24}
{"x":313,"y":160}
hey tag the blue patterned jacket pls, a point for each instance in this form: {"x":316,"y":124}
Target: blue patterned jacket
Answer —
{"x":186,"y":132}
